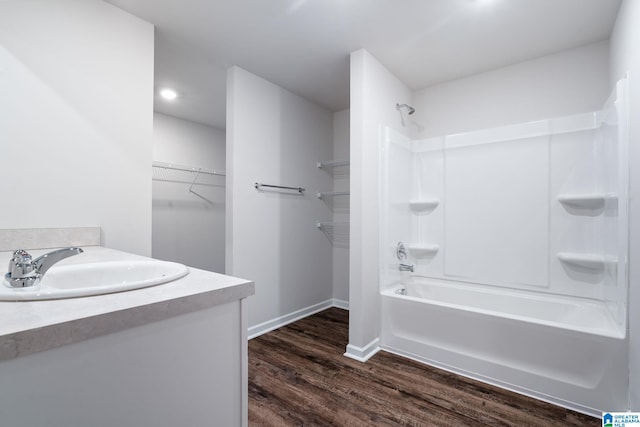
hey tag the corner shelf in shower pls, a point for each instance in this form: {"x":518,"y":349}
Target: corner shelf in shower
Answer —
{"x":589,"y":261}
{"x":423,"y":250}
{"x":586,"y":200}
{"x":423,"y":205}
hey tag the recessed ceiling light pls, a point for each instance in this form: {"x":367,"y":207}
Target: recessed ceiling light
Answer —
{"x":169,"y":94}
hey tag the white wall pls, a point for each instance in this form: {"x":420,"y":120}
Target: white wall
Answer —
{"x":276,"y":137}
{"x":374,"y":94}
{"x":625,"y":57}
{"x":569,"y":82}
{"x":341,"y":207}
{"x":188,"y":228}
{"x":76,"y":79}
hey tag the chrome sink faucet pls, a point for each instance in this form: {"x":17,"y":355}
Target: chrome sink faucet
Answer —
{"x":25,"y":271}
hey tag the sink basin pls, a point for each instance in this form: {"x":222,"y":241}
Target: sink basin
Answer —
{"x":96,"y":278}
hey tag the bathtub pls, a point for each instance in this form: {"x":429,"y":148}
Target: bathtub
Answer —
{"x":563,"y":350}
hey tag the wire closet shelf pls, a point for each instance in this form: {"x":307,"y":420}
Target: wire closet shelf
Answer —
{"x":195,"y":177}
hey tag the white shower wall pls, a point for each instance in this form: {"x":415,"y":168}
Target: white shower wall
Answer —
{"x":538,"y":206}
{"x":625,"y":59}
{"x":569,"y":82}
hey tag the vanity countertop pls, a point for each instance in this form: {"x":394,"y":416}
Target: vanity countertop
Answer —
{"x":30,"y":326}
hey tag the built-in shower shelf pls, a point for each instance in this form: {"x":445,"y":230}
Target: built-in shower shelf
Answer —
{"x":327,"y":194}
{"x":423,"y":205}
{"x":423,"y":250}
{"x":586,"y":260}
{"x":586,"y":200}
{"x":330,"y":164}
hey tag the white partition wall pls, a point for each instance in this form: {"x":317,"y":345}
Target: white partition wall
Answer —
{"x":276,"y":137}
{"x":374,"y":93}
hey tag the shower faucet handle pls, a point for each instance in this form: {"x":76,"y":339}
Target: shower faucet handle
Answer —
{"x":401,"y":251}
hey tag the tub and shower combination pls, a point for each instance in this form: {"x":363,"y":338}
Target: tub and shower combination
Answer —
{"x":518,"y":241}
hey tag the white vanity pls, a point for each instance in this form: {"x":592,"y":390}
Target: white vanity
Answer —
{"x":165,"y":355}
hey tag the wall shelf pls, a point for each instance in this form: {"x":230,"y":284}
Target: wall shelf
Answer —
{"x":327,"y":194}
{"x":171,"y":172}
{"x":330,"y":164}
{"x":196,"y":177}
{"x":586,"y":260}
{"x":336,"y":232}
{"x":331,"y":224}
{"x":338,"y":201}
{"x":423,"y":205}
{"x":586,"y":200}
{"x":423,"y":250}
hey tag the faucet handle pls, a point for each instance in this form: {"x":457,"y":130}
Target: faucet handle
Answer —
{"x":25,"y":271}
{"x":20,"y":264}
{"x":401,"y":252}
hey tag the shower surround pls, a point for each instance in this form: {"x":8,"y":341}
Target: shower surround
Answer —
{"x":519,"y":239}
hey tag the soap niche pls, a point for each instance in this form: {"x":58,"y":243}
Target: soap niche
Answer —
{"x":586,"y":261}
{"x":586,"y":268}
{"x":586,"y":204}
{"x":423,"y":250}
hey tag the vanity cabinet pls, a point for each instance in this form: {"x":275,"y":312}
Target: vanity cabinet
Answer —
{"x":163,"y":356}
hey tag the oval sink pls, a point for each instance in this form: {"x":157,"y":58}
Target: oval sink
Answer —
{"x":97,"y":278}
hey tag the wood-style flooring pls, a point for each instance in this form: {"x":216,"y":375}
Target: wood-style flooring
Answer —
{"x":298,"y":376}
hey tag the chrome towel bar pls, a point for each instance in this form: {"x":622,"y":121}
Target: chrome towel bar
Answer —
{"x":298,"y":189}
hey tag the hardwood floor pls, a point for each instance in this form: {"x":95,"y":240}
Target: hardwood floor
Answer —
{"x":298,"y":376}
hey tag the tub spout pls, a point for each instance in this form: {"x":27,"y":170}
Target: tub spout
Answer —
{"x":25,"y":271}
{"x":406,"y":267}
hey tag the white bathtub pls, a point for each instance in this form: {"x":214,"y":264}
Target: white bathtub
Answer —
{"x":563,"y":350}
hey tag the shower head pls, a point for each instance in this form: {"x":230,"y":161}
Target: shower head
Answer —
{"x":409,"y":108}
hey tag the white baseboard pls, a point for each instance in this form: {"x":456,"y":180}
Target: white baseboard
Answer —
{"x":362,"y":354}
{"x":270,"y":325}
{"x":341,"y":304}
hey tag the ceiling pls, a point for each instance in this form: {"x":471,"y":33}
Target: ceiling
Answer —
{"x":304,"y":45}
